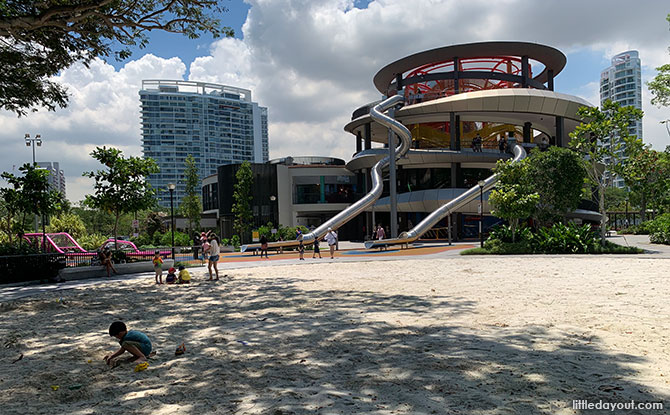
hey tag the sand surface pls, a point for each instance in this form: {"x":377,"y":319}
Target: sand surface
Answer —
{"x":468,"y":335}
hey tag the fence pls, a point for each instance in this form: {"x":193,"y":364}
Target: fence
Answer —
{"x":83,"y":259}
{"x":29,"y":267}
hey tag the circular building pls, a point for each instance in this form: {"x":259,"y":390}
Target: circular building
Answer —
{"x":462,"y":104}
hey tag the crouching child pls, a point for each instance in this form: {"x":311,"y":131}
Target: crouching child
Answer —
{"x":134,"y":342}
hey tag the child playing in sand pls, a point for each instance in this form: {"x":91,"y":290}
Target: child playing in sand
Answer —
{"x":134,"y":342}
{"x":158,"y":267}
{"x":171,"y":277}
{"x":301,"y":250}
{"x":184,"y":276}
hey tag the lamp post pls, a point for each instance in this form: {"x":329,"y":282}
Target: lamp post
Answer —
{"x":481,"y":184}
{"x":273,"y":199}
{"x":171,"y":188}
{"x":31,"y":142}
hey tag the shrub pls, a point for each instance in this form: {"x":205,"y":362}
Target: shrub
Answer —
{"x":15,"y":248}
{"x":180,"y":239}
{"x":235,"y":241}
{"x":505,"y":233}
{"x":659,"y":229}
{"x":560,"y":239}
{"x":92,"y":241}
{"x":557,"y":239}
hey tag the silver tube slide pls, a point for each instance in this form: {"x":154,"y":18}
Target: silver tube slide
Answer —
{"x":429,"y":221}
{"x":377,"y":114}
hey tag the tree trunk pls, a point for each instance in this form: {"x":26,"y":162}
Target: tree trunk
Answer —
{"x":643,"y":208}
{"x":515,"y":224}
{"x":116,"y":225}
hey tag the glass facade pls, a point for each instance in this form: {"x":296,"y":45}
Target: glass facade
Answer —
{"x":216,"y":124}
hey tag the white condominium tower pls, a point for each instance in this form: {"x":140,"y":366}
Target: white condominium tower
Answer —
{"x":216,"y":124}
{"x":622,"y":83}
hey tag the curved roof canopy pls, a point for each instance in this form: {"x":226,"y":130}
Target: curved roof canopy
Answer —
{"x":509,"y":106}
{"x":552,"y":58}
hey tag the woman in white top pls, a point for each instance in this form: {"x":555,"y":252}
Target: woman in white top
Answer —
{"x":213,"y":253}
{"x":331,"y":239}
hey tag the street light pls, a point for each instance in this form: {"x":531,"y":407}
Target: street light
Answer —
{"x":171,"y":188}
{"x":481,"y":184}
{"x":32,"y":142}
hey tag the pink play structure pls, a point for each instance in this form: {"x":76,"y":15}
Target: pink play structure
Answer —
{"x":60,"y":242}
{"x":64,"y":243}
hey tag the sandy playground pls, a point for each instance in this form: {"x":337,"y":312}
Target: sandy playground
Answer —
{"x":466,"y":335}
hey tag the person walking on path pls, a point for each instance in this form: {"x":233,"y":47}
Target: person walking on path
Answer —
{"x":214,"y":252}
{"x":331,"y":239}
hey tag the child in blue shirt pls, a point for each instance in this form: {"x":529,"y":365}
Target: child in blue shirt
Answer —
{"x":134,"y":342}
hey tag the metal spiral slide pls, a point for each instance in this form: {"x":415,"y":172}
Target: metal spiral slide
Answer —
{"x":377,"y":114}
{"x":431,"y":220}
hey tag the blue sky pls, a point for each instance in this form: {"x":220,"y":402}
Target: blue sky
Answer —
{"x":311,"y":62}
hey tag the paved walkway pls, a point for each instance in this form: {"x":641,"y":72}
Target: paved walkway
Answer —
{"x":349,"y":252}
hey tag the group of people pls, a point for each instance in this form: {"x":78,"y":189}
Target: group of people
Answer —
{"x":171,"y":278}
{"x":211,"y":249}
{"x":331,"y":240}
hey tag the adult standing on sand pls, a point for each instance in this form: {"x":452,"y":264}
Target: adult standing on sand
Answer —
{"x":214,"y":252}
{"x":331,"y":239}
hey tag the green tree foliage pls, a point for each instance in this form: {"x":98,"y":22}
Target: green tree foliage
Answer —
{"x":95,"y":220}
{"x":242,"y":200}
{"x":30,"y":196}
{"x":10,"y":203}
{"x":592,"y":139}
{"x":647,"y":172}
{"x":154,"y":223}
{"x":43,"y":37}
{"x":615,"y":198}
{"x":121,"y":187}
{"x":190,"y":206}
{"x":67,"y":222}
{"x":660,"y":85}
{"x":514,"y":197}
{"x":557,"y":176}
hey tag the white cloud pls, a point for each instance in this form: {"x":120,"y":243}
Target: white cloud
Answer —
{"x":311,"y":62}
{"x":103,"y":110}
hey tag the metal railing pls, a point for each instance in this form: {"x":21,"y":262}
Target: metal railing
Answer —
{"x":29,"y":267}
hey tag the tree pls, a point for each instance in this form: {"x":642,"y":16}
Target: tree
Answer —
{"x":190,"y":206}
{"x":122,"y":187}
{"x":67,"y":222}
{"x":154,"y":223}
{"x":599,"y":139}
{"x":11,"y":207}
{"x":42,"y":37}
{"x":647,"y":172}
{"x":615,"y":198}
{"x":31,"y":195}
{"x":242,"y":200}
{"x":557,"y":176}
{"x":514,"y":197}
{"x":660,"y":85}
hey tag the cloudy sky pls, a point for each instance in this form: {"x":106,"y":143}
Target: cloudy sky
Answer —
{"x":311,"y":62}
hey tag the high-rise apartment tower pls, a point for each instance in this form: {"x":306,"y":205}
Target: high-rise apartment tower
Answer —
{"x":622,"y":83}
{"x":216,"y":124}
